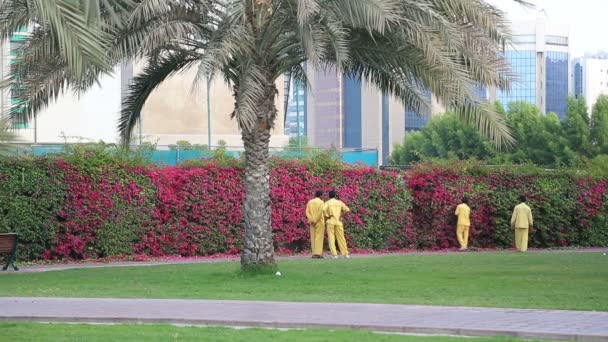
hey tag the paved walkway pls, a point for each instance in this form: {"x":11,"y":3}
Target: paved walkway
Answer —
{"x":547,"y":324}
{"x":59,"y":267}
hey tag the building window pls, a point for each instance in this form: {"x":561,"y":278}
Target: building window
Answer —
{"x":416,"y":121}
{"x":523,"y":88}
{"x":557,"y":83}
{"x":18,"y":107}
{"x":296,"y":111}
{"x":556,"y":40}
{"x":578,"y":80}
{"x":524,"y":38}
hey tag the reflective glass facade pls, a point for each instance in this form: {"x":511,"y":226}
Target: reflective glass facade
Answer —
{"x":557,"y":83}
{"x":296,"y":111}
{"x":523,"y":65}
{"x":17,"y":41}
{"x":415,"y":121}
{"x":578,"y":80}
{"x":481,"y":92}
{"x":352,"y":113}
{"x":385,"y":129}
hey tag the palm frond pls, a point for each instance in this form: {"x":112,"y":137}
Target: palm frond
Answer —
{"x":405,"y":47}
{"x":81,"y":43}
{"x":143,"y":85}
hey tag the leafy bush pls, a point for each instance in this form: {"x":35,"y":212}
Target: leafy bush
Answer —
{"x":91,"y":205}
{"x":569,"y":209}
{"x":31,"y":193}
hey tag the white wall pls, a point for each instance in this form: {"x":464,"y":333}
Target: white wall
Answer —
{"x":595,"y":80}
{"x":92,"y":116}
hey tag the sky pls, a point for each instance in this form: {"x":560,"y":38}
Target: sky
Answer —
{"x":586,"y":19}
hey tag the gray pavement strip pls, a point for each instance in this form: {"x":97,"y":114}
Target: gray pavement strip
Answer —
{"x":410,"y":319}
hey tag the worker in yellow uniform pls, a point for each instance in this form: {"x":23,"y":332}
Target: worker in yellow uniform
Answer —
{"x":333,"y":211}
{"x":463,"y":212}
{"x":521,"y":221}
{"x":316,"y":221}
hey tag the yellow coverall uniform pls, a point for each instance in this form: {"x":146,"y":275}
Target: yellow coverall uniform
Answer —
{"x":314,"y":214}
{"x":521,"y":221}
{"x":463,"y":212}
{"x":333,"y":210}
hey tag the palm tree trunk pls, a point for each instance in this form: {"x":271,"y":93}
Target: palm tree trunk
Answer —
{"x":258,"y":249}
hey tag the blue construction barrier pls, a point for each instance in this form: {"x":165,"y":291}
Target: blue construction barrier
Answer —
{"x":176,"y":156}
{"x":369,"y":157}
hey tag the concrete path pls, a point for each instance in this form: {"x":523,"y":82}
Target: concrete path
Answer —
{"x":199,"y":260}
{"x":546,"y":324}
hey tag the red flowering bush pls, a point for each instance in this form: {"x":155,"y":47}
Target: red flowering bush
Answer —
{"x":379,"y":203}
{"x":198,"y":212}
{"x":90,"y":205}
{"x":102,"y":214}
{"x":568,"y":210}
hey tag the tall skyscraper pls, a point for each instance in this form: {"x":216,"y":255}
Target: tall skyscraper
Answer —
{"x":347,"y":113}
{"x":540,"y":60}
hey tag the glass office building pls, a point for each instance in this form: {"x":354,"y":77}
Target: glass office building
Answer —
{"x":523,"y":88}
{"x":540,"y":61}
{"x":415,"y":121}
{"x":296,"y":111}
{"x":481,"y":92}
{"x":557,"y":83}
{"x":578,"y":80}
{"x":17,"y":40}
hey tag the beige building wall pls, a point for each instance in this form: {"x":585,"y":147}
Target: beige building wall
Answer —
{"x":396,"y":123}
{"x":371,"y":116}
{"x":178,"y":111}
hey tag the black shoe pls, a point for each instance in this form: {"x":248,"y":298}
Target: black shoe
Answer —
{"x":317,"y":256}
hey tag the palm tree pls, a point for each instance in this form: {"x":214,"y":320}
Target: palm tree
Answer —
{"x":402,"y":46}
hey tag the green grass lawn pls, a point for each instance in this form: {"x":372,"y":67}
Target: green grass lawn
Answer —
{"x":576,"y":281}
{"x":92,"y":333}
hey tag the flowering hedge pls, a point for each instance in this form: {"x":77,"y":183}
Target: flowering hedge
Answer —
{"x":90,"y":206}
{"x":75,"y":208}
{"x":569,"y":210}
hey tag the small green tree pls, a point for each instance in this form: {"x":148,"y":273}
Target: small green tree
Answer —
{"x":445,"y":136}
{"x":599,"y":126}
{"x":576,"y":127}
{"x":540,"y":137}
{"x":303,"y":143}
